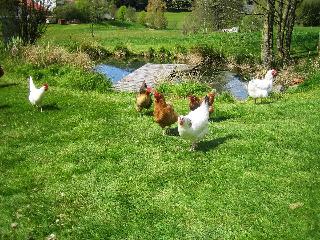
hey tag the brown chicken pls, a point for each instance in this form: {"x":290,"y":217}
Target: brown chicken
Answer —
{"x":195,"y":102}
{"x":164,"y":113}
{"x":143,"y":100}
{"x":211,"y":96}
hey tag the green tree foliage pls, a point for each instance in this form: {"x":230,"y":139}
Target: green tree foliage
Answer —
{"x":131,"y":15}
{"x":142,"y":18}
{"x":121,"y":13}
{"x":279,"y":15}
{"x":155,"y":14}
{"x":69,"y":12}
{"x":211,"y":15}
{"x":310,"y":13}
{"x":23,"y":19}
{"x":93,"y":9}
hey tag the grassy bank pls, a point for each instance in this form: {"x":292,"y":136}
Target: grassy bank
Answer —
{"x":90,"y":167}
{"x":138,"y":40}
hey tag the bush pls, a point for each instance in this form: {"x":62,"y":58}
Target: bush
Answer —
{"x":121,"y":51}
{"x":310,"y":13}
{"x":131,"y":15}
{"x":70,"y":12}
{"x":94,"y":50}
{"x":155,"y":14}
{"x":191,"y":24}
{"x":245,"y":57}
{"x":251,"y":23}
{"x":49,"y":55}
{"x":209,"y":54}
{"x":121,"y":13}
{"x":142,"y":18}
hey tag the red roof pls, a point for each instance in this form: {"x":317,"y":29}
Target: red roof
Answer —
{"x":34,"y":4}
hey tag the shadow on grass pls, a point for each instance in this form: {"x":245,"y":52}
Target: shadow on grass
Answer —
{"x":4,"y":106}
{"x":146,"y":113}
{"x":222,"y":116}
{"x":172,"y":132}
{"x":4,"y":85}
{"x":50,"y":107}
{"x":209,"y":145}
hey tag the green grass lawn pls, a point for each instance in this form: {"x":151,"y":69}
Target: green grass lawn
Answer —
{"x":90,"y":167}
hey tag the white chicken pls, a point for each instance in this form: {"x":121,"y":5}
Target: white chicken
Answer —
{"x":36,"y":94}
{"x":194,"y":126}
{"x":260,"y":88}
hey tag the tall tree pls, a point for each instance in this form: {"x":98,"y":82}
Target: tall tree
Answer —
{"x":280,"y":13}
{"x":95,"y":9}
{"x":267,"y":42}
{"x":155,"y":17}
{"x":23,"y":18}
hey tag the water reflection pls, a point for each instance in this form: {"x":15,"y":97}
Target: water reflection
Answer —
{"x":230,"y":82}
{"x":112,"y":72}
{"x":220,"y":80}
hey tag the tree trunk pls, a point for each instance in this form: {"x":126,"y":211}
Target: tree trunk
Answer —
{"x":267,"y":44}
{"x":289,"y":24}
{"x":280,"y":34}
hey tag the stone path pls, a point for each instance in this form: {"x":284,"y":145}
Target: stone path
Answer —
{"x":151,"y":73}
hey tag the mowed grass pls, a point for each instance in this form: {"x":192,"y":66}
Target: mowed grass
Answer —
{"x":90,"y":167}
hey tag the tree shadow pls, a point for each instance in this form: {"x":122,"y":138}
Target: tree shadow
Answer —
{"x":4,"y":106}
{"x":50,"y":107}
{"x":4,"y":85}
{"x":146,"y":113}
{"x":220,"y":118}
{"x":205,"y":146}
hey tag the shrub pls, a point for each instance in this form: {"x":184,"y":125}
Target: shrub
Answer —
{"x":150,"y":53}
{"x":49,"y":55}
{"x":251,"y":23}
{"x":15,"y":46}
{"x":310,"y":13}
{"x":142,"y":18}
{"x":191,"y":24}
{"x":244,"y":57}
{"x":209,"y":54}
{"x":131,"y":15}
{"x":121,"y":51}
{"x":121,"y":13}
{"x":94,"y":50}
{"x":70,"y":12}
{"x":155,"y":14}
{"x":164,"y":53}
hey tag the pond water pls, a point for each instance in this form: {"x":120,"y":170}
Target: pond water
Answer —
{"x":220,"y":80}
